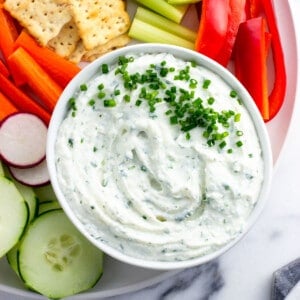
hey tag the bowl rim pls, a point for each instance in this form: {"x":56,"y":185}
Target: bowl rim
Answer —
{"x":189,"y":55}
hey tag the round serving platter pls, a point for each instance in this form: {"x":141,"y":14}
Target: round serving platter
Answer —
{"x":119,"y":278}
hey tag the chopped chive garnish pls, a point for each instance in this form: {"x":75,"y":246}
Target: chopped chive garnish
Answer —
{"x":101,"y":95}
{"x":193,"y":83}
{"x":239,"y":133}
{"x":233,"y":94}
{"x":91,"y":102}
{"x":83,"y":87}
{"x":206,"y":84}
{"x":210,"y":100}
{"x":173,"y":120}
{"x":126,"y":98}
{"x":109,"y":103}
{"x":222,"y":144}
{"x":237,"y":117}
{"x":104,"y":68}
{"x":117,"y":92}
{"x":229,"y":151}
{"x":188,"y":136}
{"x":100,"y":86}
{"x":239,"y":143}
{"x":138,"y":102}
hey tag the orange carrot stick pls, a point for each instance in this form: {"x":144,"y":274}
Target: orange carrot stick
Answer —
{"x":38,"y":80}
{"x":6,"y":107}
{"x":20,"y":100}
{"x":60,"y":69}
{"x":3,"y":69}
{"x":8,"y":33}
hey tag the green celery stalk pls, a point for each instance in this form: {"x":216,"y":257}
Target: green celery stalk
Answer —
{"x":161,"y":22}
{"x":145,"y":32}
{"x":174,"y":13}
{"x":180,"y":2}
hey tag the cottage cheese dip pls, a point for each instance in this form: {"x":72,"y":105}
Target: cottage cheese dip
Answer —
{"x":159,"y":158}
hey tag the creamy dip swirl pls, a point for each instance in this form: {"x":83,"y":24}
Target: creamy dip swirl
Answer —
{"x":142,"y":184}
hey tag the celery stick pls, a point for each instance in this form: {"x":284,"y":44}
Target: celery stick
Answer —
{"x":180,"y":2}
{"x":156,"y":20}
{"x":174,"y":13}
{"x":145,"y":32}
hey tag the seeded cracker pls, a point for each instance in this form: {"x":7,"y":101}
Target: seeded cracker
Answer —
{"x":42,"y":18}
{"x":65,"y":42}
{"x":99,"y":21}
{"x":113,"y":44}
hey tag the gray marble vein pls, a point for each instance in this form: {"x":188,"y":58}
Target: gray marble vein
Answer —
{"x":198,"y":283}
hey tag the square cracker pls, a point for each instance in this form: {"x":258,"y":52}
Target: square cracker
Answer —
{"x":99,"y":21}
{"x":66,"y":41}
{"x":115,"y":43}
{"x":42,"y":18}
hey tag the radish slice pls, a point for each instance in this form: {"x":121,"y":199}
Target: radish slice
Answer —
{"x":23,"y":140}
{"x":34,"y":176}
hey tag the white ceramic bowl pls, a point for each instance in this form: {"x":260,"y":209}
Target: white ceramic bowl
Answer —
{"x":60,"y":113}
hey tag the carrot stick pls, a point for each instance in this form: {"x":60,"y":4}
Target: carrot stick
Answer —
{"x":60,"y":69}
{"x":8,"y":33}
{"x":38,"y":80}
{"x":3,"y":69}
{"x":6,"y":107}
{"x":20,"y":100}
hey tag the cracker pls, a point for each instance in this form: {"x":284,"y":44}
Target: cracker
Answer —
{"x":65,"y":42}
{"x":77,"y":54}
{"x":99,"y":21}
{"x":115,"y":43}
{"x":42,"y":18}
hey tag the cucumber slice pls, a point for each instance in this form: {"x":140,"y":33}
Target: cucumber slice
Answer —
{"x":27,"y":193}
{"x":48,"y":205}
{"x":1,"y":169}
{"x":13,"y":215}
{"x":55,"y":259}
{"x":45,"y":193}
{"x":30,"y":197}
{"x":12,"y":258}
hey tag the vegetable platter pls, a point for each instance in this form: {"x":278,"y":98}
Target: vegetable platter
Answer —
{"x":120,"y":278}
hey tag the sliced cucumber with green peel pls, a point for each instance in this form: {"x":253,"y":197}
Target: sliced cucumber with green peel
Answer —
{"x":55,"y":259}
{"x":30,"y":197}
{"x":47,"y":206}
{"x":13,"y":215}
{"x":12,"y":258}
{"x":27,"y":193}
{"x":45,"y":193}
{"x":1,"y":169}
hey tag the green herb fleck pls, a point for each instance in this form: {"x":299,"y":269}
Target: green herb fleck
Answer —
{"x":109,"y":103}
{"x":71,"y":142}
{"x":104,"y":69}
{"x":206,"y":84}
{"x":83,"y":87}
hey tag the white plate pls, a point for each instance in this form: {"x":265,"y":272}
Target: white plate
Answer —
{"x":120,"y":278}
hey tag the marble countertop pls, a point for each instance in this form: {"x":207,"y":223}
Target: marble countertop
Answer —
{"x":246,"y":271}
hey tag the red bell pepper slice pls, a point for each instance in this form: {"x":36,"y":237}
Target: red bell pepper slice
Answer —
{"x":212,"y":28}
{"x":236,"y":16}
{"x":218,"y":27}
{"x":253,"y":8}
{"x":276,"y":97}
{"x":251,"y":49}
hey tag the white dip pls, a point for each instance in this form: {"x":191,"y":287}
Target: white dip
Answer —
{"x":145,"y":186}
